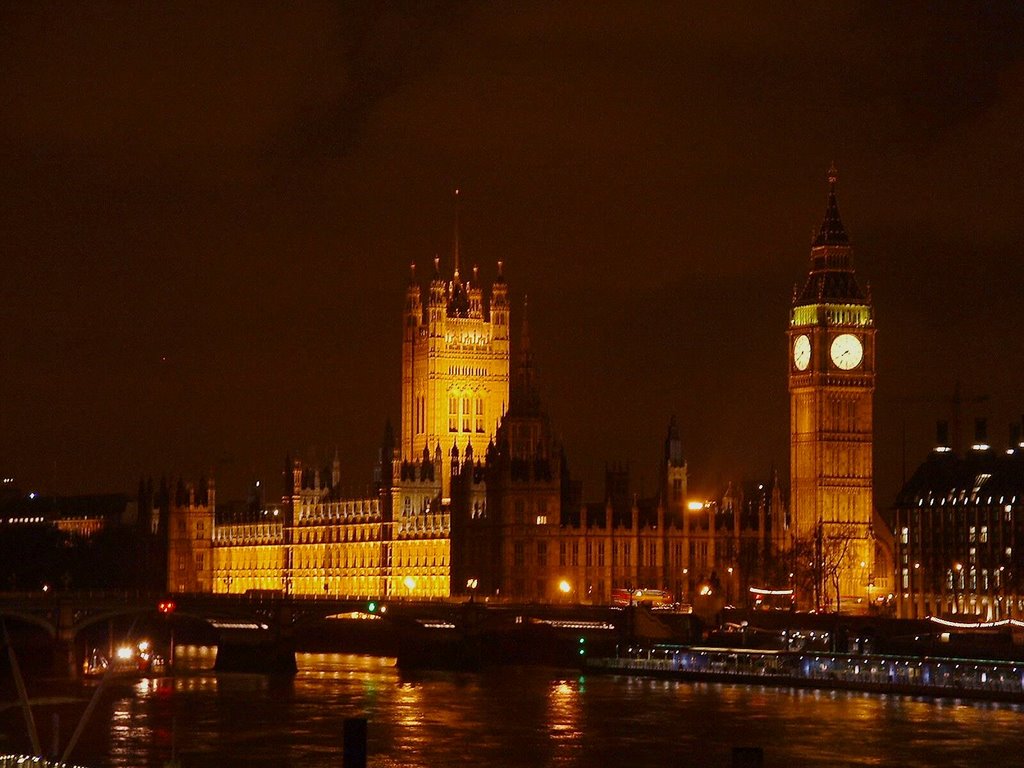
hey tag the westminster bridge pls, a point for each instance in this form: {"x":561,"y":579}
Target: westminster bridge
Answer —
{"x":260,"y":632}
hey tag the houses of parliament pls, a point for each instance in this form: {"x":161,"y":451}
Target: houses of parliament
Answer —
{"x":472,"y":495}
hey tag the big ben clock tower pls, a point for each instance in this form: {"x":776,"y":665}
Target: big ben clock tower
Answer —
{"x":831,"y":386}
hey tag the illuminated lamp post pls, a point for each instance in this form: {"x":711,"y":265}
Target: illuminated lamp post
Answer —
{"x":565,"y":588}
{"x":1001,"y":612}
{"x":471,"y":585}
{"x":694,"y":506}
{"x":867,"y":580}
{"x":410,"y":584}
{"x":957,"y":571}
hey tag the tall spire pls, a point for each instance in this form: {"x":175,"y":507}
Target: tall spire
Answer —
{"x":524,"y":340}
{"x":525,"y":398}
{"x":832,"y":231}
{"x":455,"y":239}
{"x":458,"y":300}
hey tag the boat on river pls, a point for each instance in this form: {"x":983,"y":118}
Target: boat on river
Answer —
{"x":138,"y":660}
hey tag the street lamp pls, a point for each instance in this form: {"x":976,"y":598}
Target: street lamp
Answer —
{"x":564,"y":587}
{"x":471,"y":585}
{"x":957,"y":570}
{"x":410,"y":584}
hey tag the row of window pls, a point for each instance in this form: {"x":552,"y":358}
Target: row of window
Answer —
{"x":594,"y":553}
{"x":467,"y":412}
{"x":339,"y":510}
{"x":337,"y":534}
{"x":465,"y":370}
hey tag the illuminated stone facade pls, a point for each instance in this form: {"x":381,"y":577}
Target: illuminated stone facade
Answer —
{"x":472,"y":497}
{"x":455,"y":366}
{"x":248,"y":556}
{"x":396,"y":542}
{"x":831,"y":385}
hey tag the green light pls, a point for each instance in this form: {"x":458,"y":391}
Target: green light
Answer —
{"x":372,"y":607}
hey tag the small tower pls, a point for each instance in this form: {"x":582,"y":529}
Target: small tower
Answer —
{"x":674,"y":479}
{"x":190,"y":538}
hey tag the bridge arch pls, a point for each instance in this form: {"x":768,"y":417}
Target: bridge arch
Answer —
{"x":30,"y":618}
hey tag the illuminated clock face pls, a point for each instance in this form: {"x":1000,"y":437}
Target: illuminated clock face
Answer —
{"x":846,"y":351}
{"x":802,"y":352}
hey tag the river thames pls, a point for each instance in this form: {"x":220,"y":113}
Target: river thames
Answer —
{"x":523,"y":717}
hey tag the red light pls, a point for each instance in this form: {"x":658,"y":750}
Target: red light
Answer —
{"x":166,"y":606}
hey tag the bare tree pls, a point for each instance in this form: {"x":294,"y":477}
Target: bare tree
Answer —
{"x":836,"y":548}
{"x":821,"y":561}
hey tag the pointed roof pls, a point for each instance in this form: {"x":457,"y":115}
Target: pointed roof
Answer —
{"x":524,"y":396}
{"x":832,"y":231}
{"x":831,"y":278}
{"x":458,"y":300}
{"x":455,"y":240}
{"x":674,"y":444}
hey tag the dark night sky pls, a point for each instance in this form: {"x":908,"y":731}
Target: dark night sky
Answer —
{"x":209,"y":211}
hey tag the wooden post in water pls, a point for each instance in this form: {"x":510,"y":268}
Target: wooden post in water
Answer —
{"x":353,"y":754}
{"x":747,"y":757}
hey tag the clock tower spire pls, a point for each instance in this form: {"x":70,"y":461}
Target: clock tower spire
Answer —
{"x":831,"y":386}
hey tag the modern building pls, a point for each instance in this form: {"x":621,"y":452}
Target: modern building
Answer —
{"x":831,"y":385}
{"x":958,"y":524}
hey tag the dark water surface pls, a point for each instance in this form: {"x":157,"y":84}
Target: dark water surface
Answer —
{"x":526,"y":717}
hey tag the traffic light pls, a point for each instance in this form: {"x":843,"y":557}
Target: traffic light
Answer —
{"x":166,"y":606}
{"x":583,"y":646}
{"x":372,"y":607}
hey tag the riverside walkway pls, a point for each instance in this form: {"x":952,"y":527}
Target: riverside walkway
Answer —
{"x":916,"y":676}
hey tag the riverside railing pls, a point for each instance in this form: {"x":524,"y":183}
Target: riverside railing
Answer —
{"x":1001,"y":680}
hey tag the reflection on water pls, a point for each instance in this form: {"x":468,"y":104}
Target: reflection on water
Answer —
{"x":525,"y":717}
